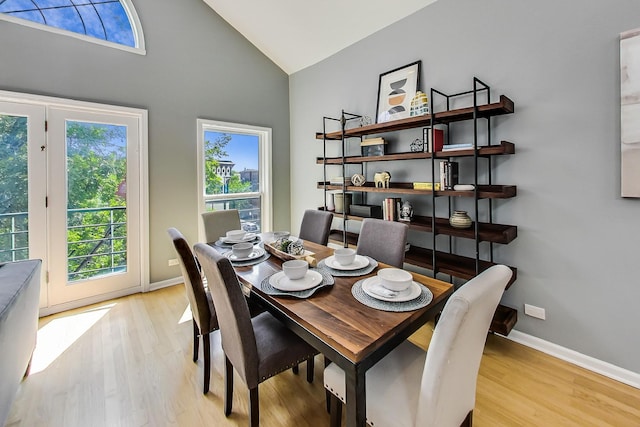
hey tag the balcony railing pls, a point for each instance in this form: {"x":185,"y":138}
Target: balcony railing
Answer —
{"x":96,"y":240}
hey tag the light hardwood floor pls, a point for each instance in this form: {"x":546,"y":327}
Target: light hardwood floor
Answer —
{"x":127,"y":362}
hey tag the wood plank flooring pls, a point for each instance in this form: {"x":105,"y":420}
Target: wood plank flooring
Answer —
{"x":127,"y":362}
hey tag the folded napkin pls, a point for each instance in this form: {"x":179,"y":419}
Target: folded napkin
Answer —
{"x":378,"y":289}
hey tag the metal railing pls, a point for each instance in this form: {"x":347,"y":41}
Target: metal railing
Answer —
{"x":96,"y":240}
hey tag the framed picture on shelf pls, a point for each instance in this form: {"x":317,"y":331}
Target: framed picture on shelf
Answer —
{"x":396,"y":89}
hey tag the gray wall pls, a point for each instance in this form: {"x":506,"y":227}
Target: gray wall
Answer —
{"x":196,"y":66}
{"x":577,"y":244}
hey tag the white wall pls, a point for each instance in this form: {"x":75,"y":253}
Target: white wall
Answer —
{"x":576,"y":250}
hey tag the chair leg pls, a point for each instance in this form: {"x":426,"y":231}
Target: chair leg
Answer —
{"x":228,"y":386}
{"x":196,"y":340}
{"x":295,"y":369}
{"x":207,"y":361}
{"x":335,"y":412}
{"x":310,"y":369}
{"x":254,"y":408}
{"x":468,"y":422}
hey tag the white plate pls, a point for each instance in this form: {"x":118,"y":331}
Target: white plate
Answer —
{"x":257,"y":252}
{"x":247,"y":238}
{"x":358,"y":263}
{"x":283,"y":283}
{"x":412,"y":292}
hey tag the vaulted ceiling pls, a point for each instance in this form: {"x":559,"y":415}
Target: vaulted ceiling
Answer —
{"x":298,"y":33}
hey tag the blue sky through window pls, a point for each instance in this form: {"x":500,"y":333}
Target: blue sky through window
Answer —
{"x":102,"y":19}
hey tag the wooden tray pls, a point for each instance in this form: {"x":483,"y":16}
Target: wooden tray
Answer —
{"x":284,"y":255}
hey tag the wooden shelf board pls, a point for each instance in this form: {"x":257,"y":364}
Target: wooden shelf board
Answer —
{"x":496,"y":233}
{"x":504,"y":106}
{"x":504,"y":320}
{"x":484,"y":191}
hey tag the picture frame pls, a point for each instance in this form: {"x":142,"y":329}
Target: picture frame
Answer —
{"x":396,"y":89}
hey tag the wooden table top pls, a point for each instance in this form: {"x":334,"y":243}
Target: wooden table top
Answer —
{"x":335,"y":317}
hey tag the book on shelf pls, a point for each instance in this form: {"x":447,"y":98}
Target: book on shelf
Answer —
{"x":391,"y":208}
{"x":429,"y":137}
{"x":448,"y":174}
{"x":453,"y":147}
{"x":426,"y":186}
{"x":372,"y":147}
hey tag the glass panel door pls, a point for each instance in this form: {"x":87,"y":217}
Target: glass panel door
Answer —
{"x":94,"y":204}
{"x":22,"y":183}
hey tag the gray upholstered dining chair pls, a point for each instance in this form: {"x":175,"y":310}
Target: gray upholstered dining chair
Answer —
{"x":202,"y":310}
{"x":258,"y":348}
{"x":217,"y":223}
{"x":383,"y":241}
{"x":436,"y":388}
{"x":316,"y":226}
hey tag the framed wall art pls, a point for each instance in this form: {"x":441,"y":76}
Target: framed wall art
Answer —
{"x":396,"y":89}
{"x":630,"y":113}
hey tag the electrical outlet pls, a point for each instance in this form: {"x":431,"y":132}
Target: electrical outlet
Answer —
{"x":533,"y":311}
{"x":173,"y":262}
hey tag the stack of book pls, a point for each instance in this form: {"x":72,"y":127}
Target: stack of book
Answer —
{"x":434,"y":141}
{"x":372,"y":147}
{"x":391,"y":208}
{"x":448,"y":174}
{"x":454,"y":147}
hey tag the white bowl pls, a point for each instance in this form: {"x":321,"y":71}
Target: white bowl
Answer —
{"x":236,"y":234}
{"x":345,"y":256}
{"x":242,"y":250}
{"x":295,"y":269}
{"x":395,"y":279}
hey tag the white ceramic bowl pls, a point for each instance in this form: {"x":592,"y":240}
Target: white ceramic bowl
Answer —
{"x":242,"y":250}
{"x":345,"y":256}
{"x":236,"y":234}
{"x":295,"y":269}
{"x":395,"y":279}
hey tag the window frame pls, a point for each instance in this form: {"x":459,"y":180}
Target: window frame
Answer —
{"x":136,"y":27}
{"x":264,"y":164}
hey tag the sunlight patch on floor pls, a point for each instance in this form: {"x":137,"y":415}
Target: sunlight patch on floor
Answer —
{"x":59,"y":334}
{"x":186,"y":316}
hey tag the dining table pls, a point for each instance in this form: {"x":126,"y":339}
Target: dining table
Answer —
{"x":347,"y":332}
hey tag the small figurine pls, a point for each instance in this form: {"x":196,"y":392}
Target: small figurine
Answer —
{"x":381,"y":179}
{"x":406,"y":213}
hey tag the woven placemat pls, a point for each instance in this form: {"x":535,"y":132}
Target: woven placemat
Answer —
{"x":219,"y":243}
{"x":423,"y":300}
{"x":350,"y":273}
{"x":327,"y":280}
{"x":251,"y":261}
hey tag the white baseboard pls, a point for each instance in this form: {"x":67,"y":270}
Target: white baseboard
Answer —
{"x":165,"y":283}
{"x":595,"y":365}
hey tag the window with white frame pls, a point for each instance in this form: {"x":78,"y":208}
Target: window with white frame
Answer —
{"x":112,"y":23}
{"x":234,"y":172}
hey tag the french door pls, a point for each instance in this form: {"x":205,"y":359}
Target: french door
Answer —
{"x":85,"y":191}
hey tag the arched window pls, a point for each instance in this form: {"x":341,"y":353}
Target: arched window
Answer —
{"x":108,"y":22}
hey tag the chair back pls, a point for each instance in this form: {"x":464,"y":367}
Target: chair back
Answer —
{"x":316,"y":226}
{"x":217,"y":223}
{"x":201,"y":306}
{"x":448,"y":388}
{"x":236,"y":330}
{"x":383,"y":241}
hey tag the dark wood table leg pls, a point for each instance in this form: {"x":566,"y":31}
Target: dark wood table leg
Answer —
{"x":355,"y":396}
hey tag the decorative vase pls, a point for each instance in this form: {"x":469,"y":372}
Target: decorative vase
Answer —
{"x":460,"y":219}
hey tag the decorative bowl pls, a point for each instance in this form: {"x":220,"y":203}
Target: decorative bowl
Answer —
{"x":236,"y":234}
{"x":295,"y":269}
{"x":345,"y":256}
{"x":395,"y":279}
{"x":242,"y":250}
